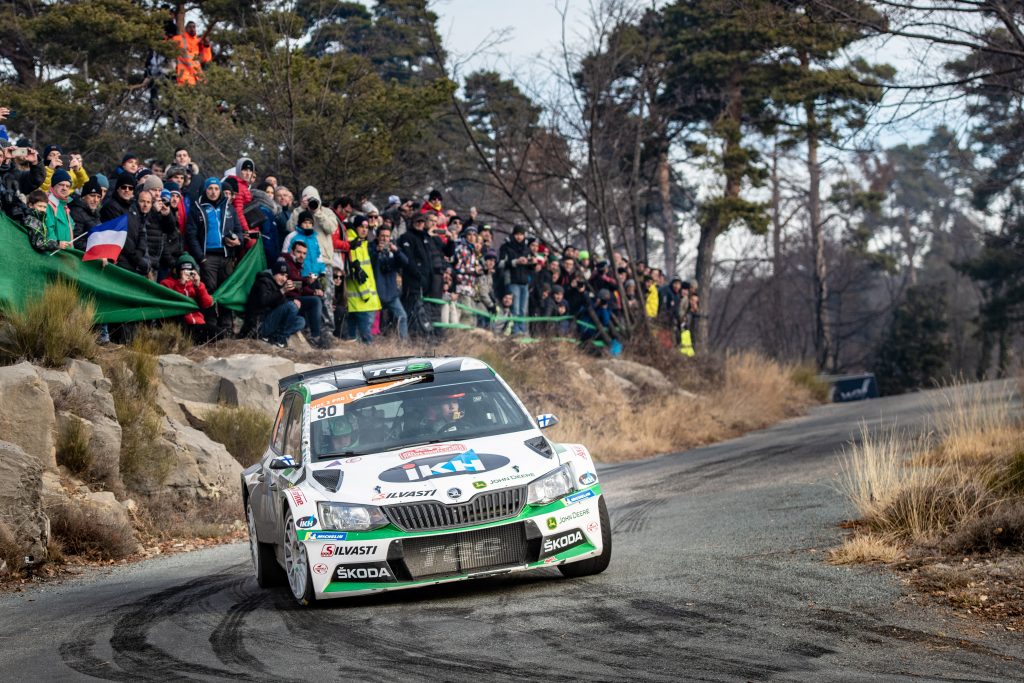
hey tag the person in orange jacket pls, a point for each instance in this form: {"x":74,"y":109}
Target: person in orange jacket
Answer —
{"x":194,"y":53}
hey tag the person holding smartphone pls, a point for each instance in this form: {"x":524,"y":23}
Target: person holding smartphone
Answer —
{"x":53,"y":159}
{"x":186,"y":281}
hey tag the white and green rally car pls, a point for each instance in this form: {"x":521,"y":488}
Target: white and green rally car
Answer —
{"x":413,"y":471}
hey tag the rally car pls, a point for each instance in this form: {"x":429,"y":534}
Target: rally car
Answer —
{"x":414,"y":471}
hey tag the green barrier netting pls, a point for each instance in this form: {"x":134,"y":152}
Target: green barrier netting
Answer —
{"x":119,"y":295}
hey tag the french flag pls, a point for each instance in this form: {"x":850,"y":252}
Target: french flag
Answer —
{"x":106,"y":240}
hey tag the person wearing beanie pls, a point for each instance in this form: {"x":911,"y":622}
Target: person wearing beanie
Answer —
{"x":52,"y":160}
{"x":516,"y":266}
{"x":120,"y":200}
{"x":152,"y":183}
{"x":129,"y":164}
{"x":104,"y":184}
{"x":85,"y":208}
{"x":179,"y":207}
{"x":269,"y":312}
{"x":60,"y":226}
{"x":209,"y":239}
{"x":245,"y":176}
{"x":188,"y":283}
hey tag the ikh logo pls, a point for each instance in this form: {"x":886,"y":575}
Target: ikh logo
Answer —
{"x":560,"y":542}
{"x":306,"y":522}
{"x":444,"y":466}
{"x":377,"y":572}
{"x":588,"y":478}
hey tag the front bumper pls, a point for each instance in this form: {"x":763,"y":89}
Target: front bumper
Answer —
{"x":357,"y":563}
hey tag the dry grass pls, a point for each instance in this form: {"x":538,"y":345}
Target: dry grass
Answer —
{"x":53,"y":326}
{"x":11,"y":551}
{"x":959,"y":490}
{"x":73,"y":448}
{"x":245,"y":432}
{"x":974,"y":425}
{"x":806,"y":375}
{"x":162,"y":338}
{"x":83,"y":533}
{"x":866,"y":549}
{"x":145,"y":459}
{"x":164,"y":517}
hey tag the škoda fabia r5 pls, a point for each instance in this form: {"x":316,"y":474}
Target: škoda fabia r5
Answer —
{"x":413,"y":471}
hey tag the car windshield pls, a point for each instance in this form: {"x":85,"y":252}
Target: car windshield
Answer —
{"x":410,"y":412}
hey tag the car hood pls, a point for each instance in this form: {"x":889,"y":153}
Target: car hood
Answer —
{"x":448,"y":471}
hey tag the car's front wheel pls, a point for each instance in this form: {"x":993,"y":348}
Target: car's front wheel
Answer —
{"x":268,"y":571}
{"x":296,"y":563}
{"x":594,"y":565}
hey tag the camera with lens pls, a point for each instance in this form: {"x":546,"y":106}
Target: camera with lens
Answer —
{"x":313,"y":204}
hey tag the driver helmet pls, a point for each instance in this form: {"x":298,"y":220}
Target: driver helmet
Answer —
{"x":341,"y":433}
{"x":451,"y":407}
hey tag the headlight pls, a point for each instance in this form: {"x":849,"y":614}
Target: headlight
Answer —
{"x":345,"y":517}
{"x":551,"y":486}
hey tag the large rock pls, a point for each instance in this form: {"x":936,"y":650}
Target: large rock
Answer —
{"x":203,"y":468}
{"x":103,"y":434}
{"x":185,"y":379}
{"x":21,"y":505}
{"x":643,"y":376}
{"x":26,"y":412}
{"x":249,"y":380}
{"x":84,"y":372}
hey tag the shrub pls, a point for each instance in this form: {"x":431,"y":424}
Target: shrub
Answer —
{"x":162,"y":338}
{"x":164,"y":516}
{"x":53,"y":326}
{"x":146,"y":459}
{"x":73,"y":447}
{"x":245,"y":432}
{"x":82,"y":532}
{"x":1002,"y":528}
{"x":11,"y":551}
{"x":807,"y":376}
{"x":865,"y":548}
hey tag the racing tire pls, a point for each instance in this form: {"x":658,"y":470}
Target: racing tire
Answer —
{"x":296,"y":564}
{"x":594,"y":565}
{"x":268,"y":572}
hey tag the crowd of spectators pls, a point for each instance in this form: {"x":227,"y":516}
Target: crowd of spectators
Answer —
{"x":338,"y":267}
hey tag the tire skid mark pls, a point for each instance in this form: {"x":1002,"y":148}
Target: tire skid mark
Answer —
{"x":227,"y":637}
{"x":633,"y":517}
{"x":134,"y":656}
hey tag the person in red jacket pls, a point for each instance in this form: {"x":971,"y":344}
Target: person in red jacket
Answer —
{"x":187,"y":283}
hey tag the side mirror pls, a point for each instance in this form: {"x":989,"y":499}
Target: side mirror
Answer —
{"x":546,"y":420}
{"x":282,"y":463}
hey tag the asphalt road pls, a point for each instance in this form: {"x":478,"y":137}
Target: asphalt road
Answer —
{"x":717,"y":574}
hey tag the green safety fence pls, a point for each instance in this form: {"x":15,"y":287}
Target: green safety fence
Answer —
{"x":119,"y":295}
{"x":499,"y":319}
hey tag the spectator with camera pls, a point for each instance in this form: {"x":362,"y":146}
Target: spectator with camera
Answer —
{"x":52,"y":155}
{"x":362,"y":300}
{"x":268,"y":311}
{"x":185,"y":280}
{"x":20,"y":174}
{"x":325,"y":225}
{"x":388,"y":262}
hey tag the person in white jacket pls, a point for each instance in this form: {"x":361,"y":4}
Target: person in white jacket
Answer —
{"x":325,"y":225}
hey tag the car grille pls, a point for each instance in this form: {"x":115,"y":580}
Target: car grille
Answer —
{"x":482,"y":508}
{"x":458,"y":553}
